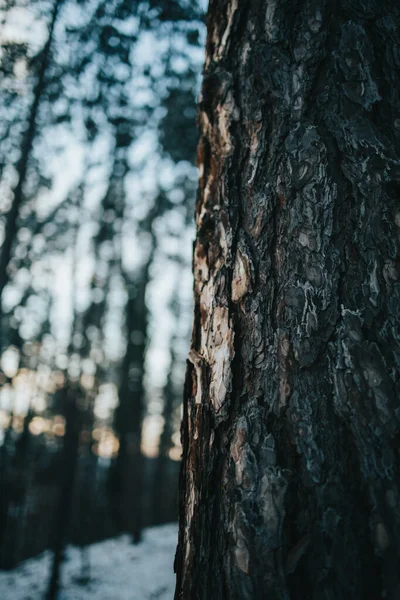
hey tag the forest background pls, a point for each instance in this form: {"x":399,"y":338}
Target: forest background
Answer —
{"x":97,"y":192}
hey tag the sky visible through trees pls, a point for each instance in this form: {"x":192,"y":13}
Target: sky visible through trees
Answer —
{"x":97,"y":190}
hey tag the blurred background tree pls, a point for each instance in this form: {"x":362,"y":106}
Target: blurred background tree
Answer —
{"x":97,"y":186}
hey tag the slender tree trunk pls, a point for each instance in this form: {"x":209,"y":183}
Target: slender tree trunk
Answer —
{"x":24,"y":474}
{"x":290,"y":478}
{"x":16,"y":472}
{"x":5,"y":493}
{"x":129,"y":475}
{"x":161,"y":508}
{"x":86,"y":484}
{"x":27,"y":143}
{"x":63,"y":511}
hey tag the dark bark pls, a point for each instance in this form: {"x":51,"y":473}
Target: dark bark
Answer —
{"x":85,"y":506}
{"x":290,"y":478}
{"x":63,"y":510}
{"x":16,"y":471}
{"x":5,"y":493}
{"x":162,"y":478}
{"x":127,"y":479}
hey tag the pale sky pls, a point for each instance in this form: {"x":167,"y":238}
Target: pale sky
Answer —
{"x":67,"y":165}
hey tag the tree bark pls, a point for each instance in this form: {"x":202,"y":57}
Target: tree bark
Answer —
{"x":63,"y":511}
{"x":162,"y":479}
{"x":290,"y":477}
{"x":129,"y":467}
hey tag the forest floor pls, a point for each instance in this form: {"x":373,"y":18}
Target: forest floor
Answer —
{"x":119,"y":571}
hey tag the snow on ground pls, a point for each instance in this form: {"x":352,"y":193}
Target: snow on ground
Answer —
{"x":119,"y":571}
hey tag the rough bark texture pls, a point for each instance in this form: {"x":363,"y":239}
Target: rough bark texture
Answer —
{"x":290,"y":477}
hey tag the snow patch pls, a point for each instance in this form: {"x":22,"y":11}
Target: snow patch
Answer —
{"x":119,"y":571}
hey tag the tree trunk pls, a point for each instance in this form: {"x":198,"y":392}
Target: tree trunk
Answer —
{"x":162,"y":479}
{"x":128,"y":477}
{"x":290,"y":478}
{"x":22,"y":165}
{"x":63,"y":510}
